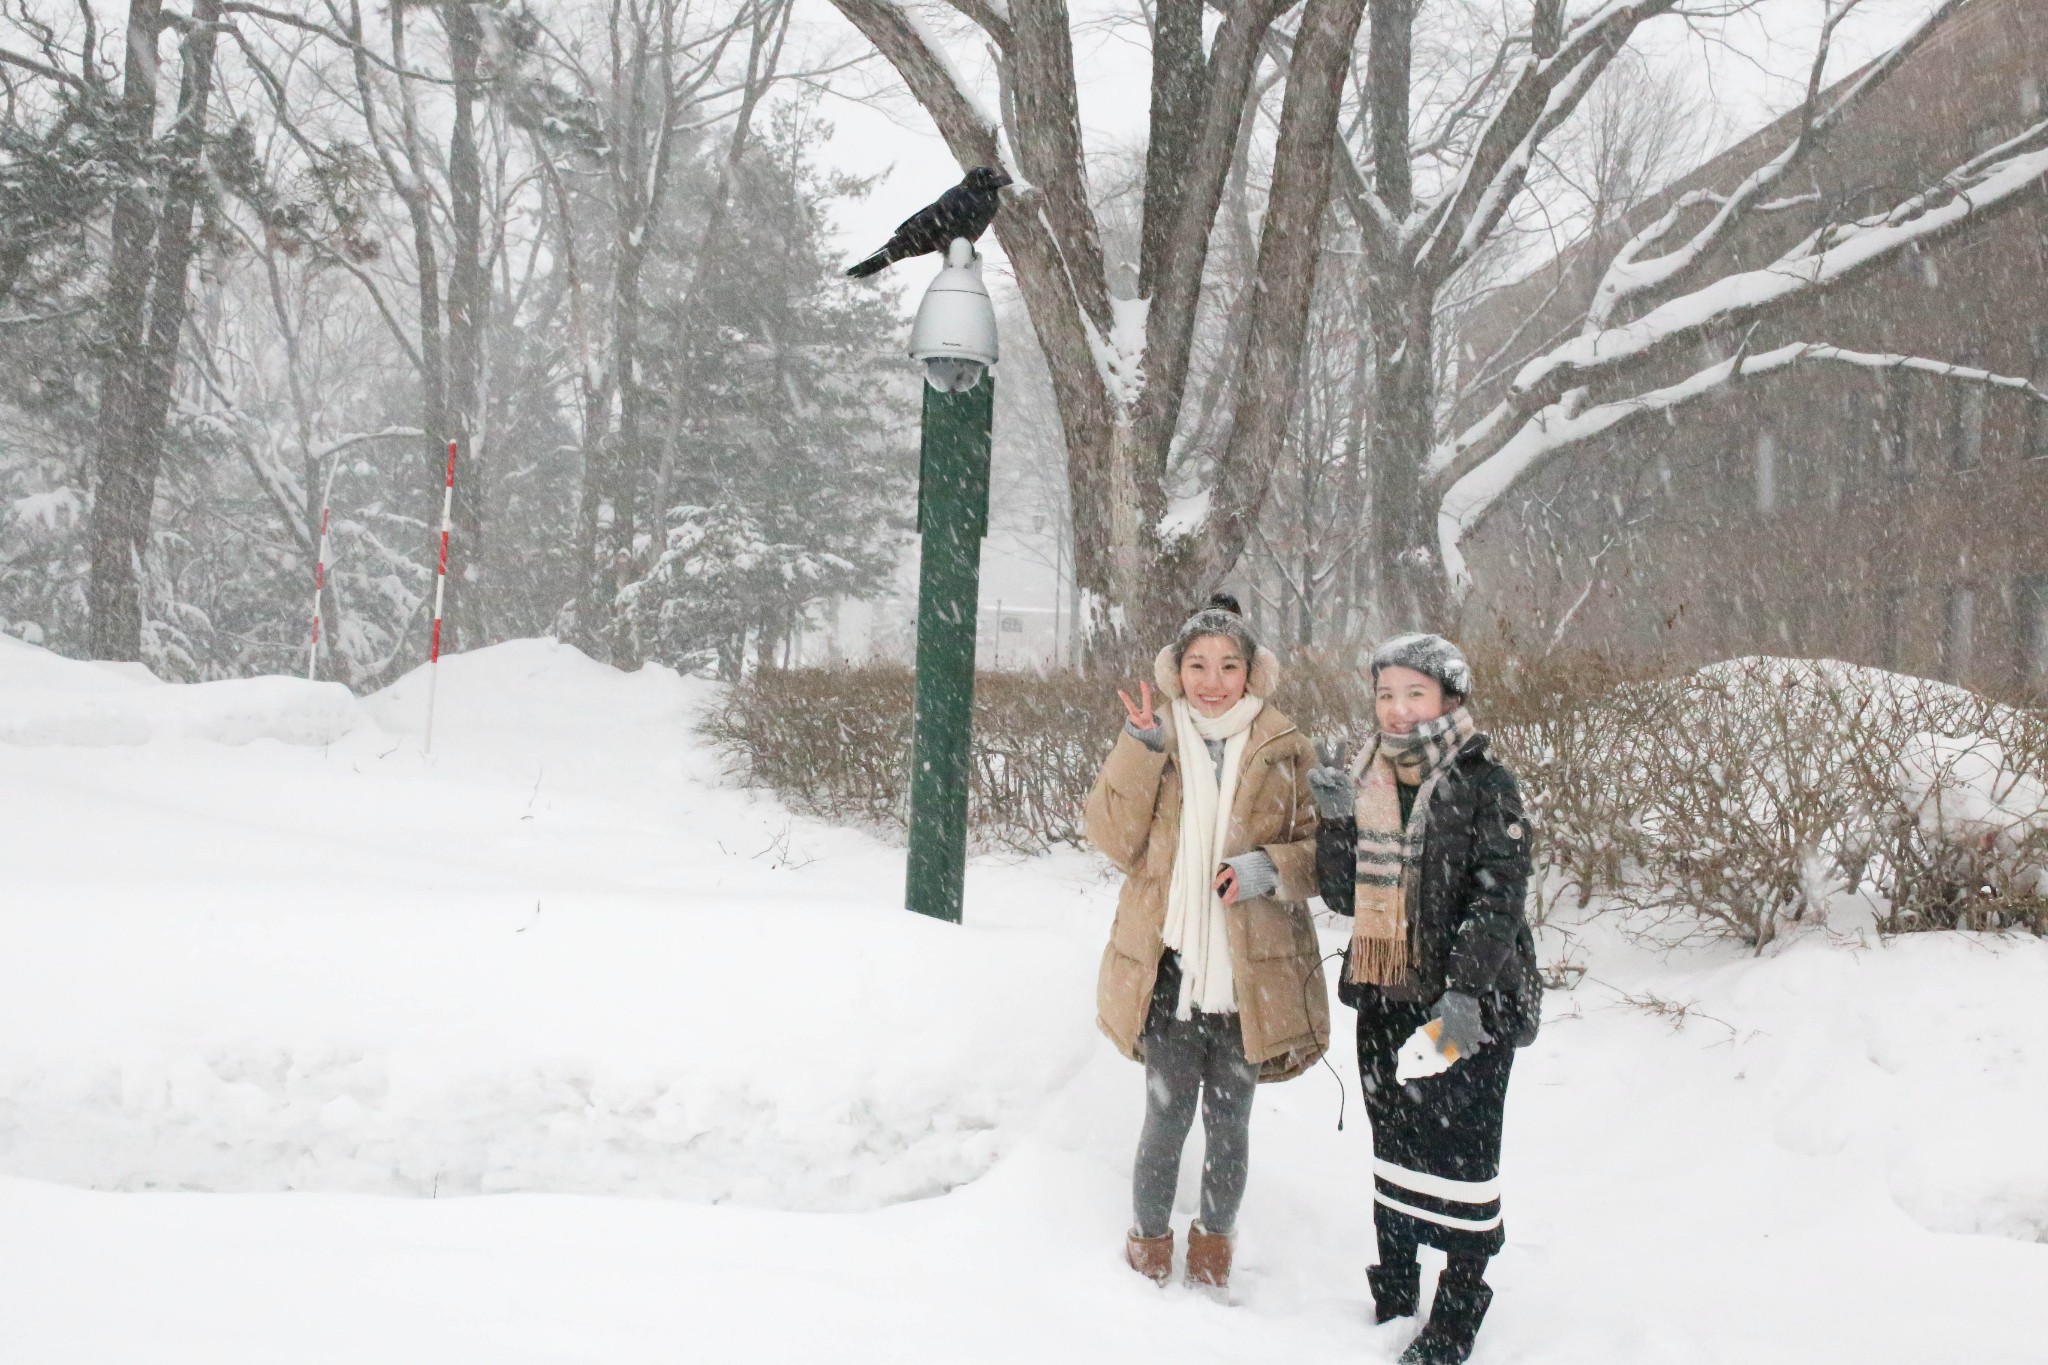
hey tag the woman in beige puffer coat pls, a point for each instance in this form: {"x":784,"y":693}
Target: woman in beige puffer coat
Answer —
{"x":1212,"y":977}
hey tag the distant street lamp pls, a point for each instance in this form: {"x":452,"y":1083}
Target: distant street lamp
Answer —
{"x":955,"y":337}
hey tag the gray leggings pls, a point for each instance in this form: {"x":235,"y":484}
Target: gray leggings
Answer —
{"x":1201,"y":1057}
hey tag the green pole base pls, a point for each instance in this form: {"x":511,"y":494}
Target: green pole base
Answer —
{"x":952,"y":517}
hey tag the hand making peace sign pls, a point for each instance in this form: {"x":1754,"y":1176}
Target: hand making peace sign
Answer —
{"x":1142,"y":716}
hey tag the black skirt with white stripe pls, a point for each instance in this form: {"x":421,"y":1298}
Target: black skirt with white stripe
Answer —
{"x":1435,"y":1141}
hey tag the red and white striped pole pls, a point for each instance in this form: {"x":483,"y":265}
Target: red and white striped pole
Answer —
{"x":319,"y":582}
{"x":320,"y":566}
{"x":440,"y":593}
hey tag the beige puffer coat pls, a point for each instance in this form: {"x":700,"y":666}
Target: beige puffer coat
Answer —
{"x":1133,"y":815}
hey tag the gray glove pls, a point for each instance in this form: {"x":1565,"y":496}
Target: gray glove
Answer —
{"x":1462,"y":1029}
{"x":1153,"y":739}
{"x":1330,"y":784}
{"x":1256,"y":875}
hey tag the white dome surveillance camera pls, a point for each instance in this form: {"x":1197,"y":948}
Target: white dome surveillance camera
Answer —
{"x":955,"y":331}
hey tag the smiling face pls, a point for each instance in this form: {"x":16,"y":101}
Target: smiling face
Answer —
{"x":1213,"y":674}
{"x":1404,"y":699}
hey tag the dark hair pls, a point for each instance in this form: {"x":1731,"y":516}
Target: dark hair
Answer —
{"x":1221,"y":615}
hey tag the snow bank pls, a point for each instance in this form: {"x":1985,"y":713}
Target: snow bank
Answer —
{"x":831,"y":1058}
{"x":1921,"y":1065}
{"x":49,"y":700}
{"x":559,"y":956}
{"x":553,"y":957}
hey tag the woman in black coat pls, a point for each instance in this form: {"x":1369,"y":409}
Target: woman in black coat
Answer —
{"x":1423,"y":842}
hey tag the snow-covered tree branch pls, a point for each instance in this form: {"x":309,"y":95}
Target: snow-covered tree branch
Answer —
{"x":1581,"y":387}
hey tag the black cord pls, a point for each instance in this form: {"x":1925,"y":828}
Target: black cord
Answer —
{"x":1342,"y":1094}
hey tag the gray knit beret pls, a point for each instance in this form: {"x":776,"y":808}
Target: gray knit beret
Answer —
{"x":1430,"y":655}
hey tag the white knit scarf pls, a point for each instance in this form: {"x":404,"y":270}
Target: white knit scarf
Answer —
{"x":1197,"y":922}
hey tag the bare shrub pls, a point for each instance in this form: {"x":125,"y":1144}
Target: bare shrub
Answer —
{"x":1958,"y":830}
{"x":1562,"y":723}
{"x":1732,"y":783}
{"x":1327,"y":697}
{"x":1037,"y":745}
{"x":1736,"y":800}
{"x":1572,"y":800}
{"x":835,"y":742}
{"x":1724,"y":804}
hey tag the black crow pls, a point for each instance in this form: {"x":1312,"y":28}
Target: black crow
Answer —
{"x":963,"y":211}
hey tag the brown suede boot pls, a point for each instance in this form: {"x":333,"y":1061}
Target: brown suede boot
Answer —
{"x":1208,"y":1257}
{"x":1151,"y":1257}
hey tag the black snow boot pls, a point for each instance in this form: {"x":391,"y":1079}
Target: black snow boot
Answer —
{"x":1460,"y":1306}
{"x":1395,"y":1290}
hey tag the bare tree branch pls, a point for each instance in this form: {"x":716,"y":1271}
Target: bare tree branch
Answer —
{"x":1170,"y":317}
{"x":1289,"y":247}
{"x":1629,"y":278}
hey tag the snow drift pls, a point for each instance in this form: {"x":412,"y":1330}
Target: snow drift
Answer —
{"x":560,"y":957}
{"x":355,"y":969}
{"x":48,"y":700}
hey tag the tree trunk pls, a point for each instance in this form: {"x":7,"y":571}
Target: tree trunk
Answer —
{"x":119,"y":504}
{"x":409,"y":182}
{"x":176,"y":241}
{"x":628,"y":455}
{"x":1290,"y":249}
{"x":1143,"y":598}
{"x":1120,"y":428}
{"x":146,"y":308}
{"x":468,"y":312}
{"x":1179,"y":89}
{"x":1408,"y":577}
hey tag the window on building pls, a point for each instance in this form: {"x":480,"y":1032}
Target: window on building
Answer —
{"x":1896,"y":425}
{"x":1766,"y":471}
{"x":2032,"y":612}
{"x":2038,"y":419}
{"x":1859,"y":440}
{"x":1967,"y":452}
{"x":1966,"y":444}
{"x":1891,"y":611}
{"x":1959,"y":635}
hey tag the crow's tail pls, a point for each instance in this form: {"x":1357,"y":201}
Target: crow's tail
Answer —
{"x":873,"y":265}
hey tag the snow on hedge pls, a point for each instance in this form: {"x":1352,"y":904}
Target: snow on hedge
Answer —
{"x":1968,"y":790}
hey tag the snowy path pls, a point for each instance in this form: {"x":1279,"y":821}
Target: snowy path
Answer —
{"x":559,"y":963}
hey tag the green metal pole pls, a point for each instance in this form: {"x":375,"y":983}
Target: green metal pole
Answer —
{"x":952,"y":516}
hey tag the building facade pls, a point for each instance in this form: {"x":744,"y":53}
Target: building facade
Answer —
{"x":1891,"y":517}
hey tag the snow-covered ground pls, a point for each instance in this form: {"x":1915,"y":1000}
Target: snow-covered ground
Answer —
{"x":280,"y":996}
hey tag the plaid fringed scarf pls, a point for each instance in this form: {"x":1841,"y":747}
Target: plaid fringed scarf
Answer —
{"x":1389,"y":857}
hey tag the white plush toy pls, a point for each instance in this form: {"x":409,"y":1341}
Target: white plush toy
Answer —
{"x":1422,"y":1055}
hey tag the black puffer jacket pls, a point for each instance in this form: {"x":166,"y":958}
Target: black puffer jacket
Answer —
{"x":1468,"y":932}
